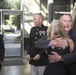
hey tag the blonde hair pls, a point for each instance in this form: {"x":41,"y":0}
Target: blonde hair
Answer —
{"x":56,"y":30}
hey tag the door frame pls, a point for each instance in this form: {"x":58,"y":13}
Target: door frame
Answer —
{"x":13,"y":12}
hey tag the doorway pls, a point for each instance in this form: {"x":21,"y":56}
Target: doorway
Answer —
{"x":12,"y":33}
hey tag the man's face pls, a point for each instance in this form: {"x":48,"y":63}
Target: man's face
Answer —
{"x":67,"y":21}
{"x":37,"y":20}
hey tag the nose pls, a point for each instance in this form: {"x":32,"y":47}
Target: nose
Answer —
{"x":67,"y":23}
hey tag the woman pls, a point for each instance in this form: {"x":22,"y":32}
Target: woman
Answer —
{"x":56,"y":32}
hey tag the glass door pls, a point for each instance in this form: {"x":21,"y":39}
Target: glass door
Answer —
{"x":12,"y":24}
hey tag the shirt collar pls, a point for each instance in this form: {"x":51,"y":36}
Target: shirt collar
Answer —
{"x":67,"y":32}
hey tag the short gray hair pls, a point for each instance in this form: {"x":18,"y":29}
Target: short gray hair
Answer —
{"x":39,"y":14}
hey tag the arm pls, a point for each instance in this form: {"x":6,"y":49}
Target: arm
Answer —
{"x":29,"y":47}
{"x":71,"y":57}
{"x":28,"y":51}
{"x":38,"y":56}
{"x":67,"y":58}
{"x":2,"y":49}
{"x":42,"y":43}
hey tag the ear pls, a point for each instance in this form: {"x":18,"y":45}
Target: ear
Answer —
{"x":40,"y":19}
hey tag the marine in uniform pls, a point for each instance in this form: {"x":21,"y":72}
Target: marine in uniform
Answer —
{"x":35,"y":34}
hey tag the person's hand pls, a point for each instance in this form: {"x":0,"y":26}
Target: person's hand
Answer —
{"x":53,"y":43}
{"x":61,"y":43}
{"x":37,"y":57}
{"x":28,"y":57}
{"x":55,"y":57}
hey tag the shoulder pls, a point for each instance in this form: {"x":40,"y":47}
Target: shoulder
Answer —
{"x":72,"y":33}
{"x":45,"y":26}
{"x":73,"y":30}
{"x":33,"y":28}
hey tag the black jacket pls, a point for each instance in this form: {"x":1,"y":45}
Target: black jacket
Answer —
{"x":2,"y":50}
{"x":35,"y":34}
{"x":70,"y":58}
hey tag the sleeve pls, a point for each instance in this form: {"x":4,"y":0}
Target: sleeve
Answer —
{"x":42,"y":43}
{"x":2,"y":48}
{"x":29,"y":43}
{"x":42,"y":52}
{"x":47,"y":49}
{"x":70,"y":58}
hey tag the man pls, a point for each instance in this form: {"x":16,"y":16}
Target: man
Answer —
{"x":69,"y":59}
{"x":2,"y":51}
{"x":36,"y":57}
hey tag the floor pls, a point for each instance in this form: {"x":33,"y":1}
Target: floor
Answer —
{"x":16,"y":70}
